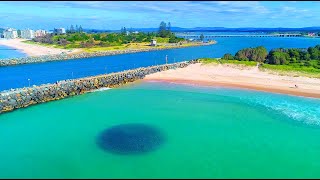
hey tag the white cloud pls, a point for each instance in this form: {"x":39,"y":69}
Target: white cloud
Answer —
{"x":180,"y":13}
{"x":288,"y":9}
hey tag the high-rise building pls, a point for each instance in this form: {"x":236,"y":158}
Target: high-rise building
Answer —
{"x":59,"y":30}
{"x":10,"y":33}
{"x":27,"y":34}
{"x":40,"y":33}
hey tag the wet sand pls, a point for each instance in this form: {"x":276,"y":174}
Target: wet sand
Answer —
{"x":235,"y":76}
{"x":33,"y":49}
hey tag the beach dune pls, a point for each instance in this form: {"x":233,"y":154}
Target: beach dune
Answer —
{"x":244,"y":77}
{"x":33,"y":49}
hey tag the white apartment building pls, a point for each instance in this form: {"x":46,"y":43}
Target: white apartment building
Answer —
{"x":59,"y":30}
{"x":27,"y":34}
{"x":39,"y":33}
{"x":10,"y":33}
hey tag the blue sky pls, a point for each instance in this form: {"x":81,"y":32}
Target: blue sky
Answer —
{"x":114,"y":15}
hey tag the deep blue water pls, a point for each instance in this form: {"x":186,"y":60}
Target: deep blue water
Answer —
{"x":220,"y":33}
{"x":7,"y":52}
{"x":40,"y":73}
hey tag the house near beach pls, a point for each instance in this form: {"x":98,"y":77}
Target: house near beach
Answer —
{"x":153,"y":42}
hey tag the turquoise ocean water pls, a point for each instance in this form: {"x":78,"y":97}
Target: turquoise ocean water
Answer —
{"x":211,"y":132}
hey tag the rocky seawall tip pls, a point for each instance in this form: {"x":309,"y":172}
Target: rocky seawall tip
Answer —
{"x":24,"y":97}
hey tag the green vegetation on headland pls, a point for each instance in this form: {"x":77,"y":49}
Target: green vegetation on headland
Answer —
{"x":294,"y":57}
{"x":76,"y":38}
{"x":271,"y":68}
{"x":309,"y":57}
{"x":304,"y":62}
{"x":224,"y":61}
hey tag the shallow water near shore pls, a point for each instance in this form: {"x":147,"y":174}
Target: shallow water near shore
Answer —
{"x":211,"y":132}
{"x":7,"y":52}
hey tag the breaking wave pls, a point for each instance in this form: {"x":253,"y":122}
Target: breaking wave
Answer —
{"x":305,"y":110}
{"x":101,"y":89}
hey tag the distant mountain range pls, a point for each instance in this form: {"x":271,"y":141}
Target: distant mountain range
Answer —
{"x":251,"y":29}
{"x":96,"y":30}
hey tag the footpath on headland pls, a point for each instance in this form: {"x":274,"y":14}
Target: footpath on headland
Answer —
{"x":75,"y":56}
{"x":24,"y":97}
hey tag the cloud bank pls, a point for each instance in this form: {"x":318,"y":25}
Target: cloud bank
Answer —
{"x":114,"y":15}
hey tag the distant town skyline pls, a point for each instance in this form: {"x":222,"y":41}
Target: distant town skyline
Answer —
{"x":137,"y":14}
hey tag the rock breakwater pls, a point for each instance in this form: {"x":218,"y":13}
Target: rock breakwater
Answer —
{"x":24,"y":97}
{"x":76,"y":56}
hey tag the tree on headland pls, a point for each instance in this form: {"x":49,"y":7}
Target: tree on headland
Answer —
{"x":62,"y":42}
{"x":314,"y":52}
{"x":123,"y":30}
{"x":243,"y":54}
{"x":96,"y":37}
{"x":47,"y":38}
{"x":258,"y":54}
{"x":72,"y":29}
{"x":294,"y":54}
{"x":305,"y":56}
{"x":174,"y":39}
{"x":294,"y":57}
{"x":278,"y":57}
{"x":80,"y":29}
{"x":163,"y":29}
{"x":201,"y":37}
{"x":227,"y":56}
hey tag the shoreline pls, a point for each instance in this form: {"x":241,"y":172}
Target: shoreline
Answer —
{"x":27,"y":96}
{"x":235,"y":86}
{"x":75,"y":55}
{"x":24,"y":97}
{"x":31,"y":49}
{"x":250,"y":79}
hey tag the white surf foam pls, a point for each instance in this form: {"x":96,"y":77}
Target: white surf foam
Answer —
{"x":101,"y":89}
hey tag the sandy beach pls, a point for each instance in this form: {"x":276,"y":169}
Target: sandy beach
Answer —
{"x":239,"y":77}
{"x":32,"y":49}
{"x":35,"y":50}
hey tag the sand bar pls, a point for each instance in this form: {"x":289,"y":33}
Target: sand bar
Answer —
{"x":33,"y":49}
{"x":239,"y":77}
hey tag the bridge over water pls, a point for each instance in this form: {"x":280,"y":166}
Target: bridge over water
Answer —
{"x":256,"y":35}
